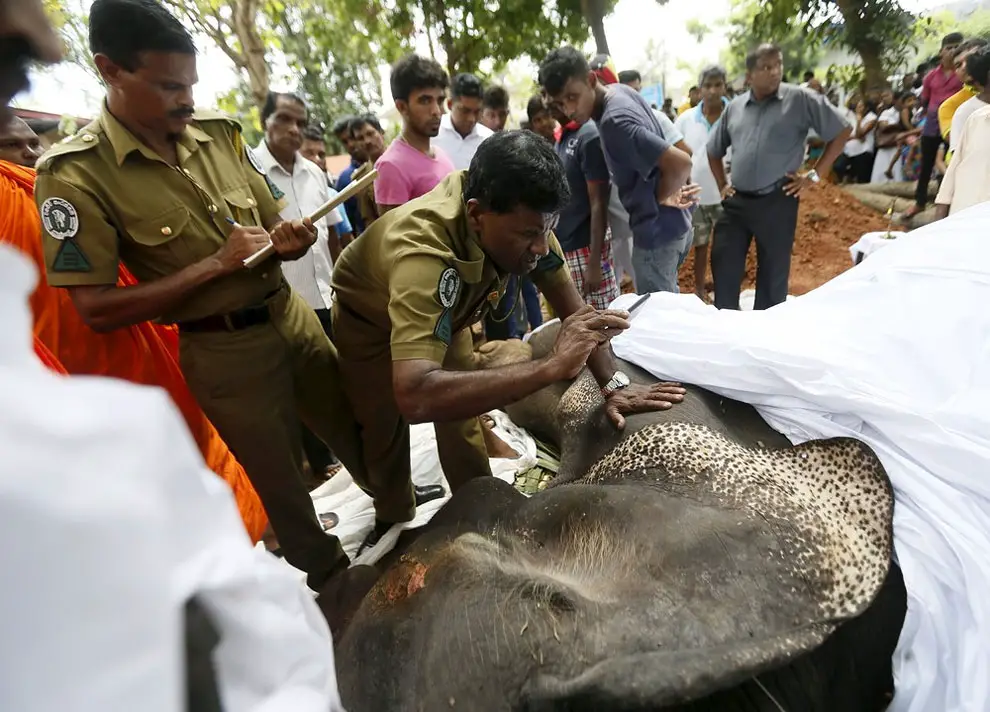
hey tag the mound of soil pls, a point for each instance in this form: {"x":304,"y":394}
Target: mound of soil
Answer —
{"x":829,"y":221}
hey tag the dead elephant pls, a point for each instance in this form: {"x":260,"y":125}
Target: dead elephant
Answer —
{"x":686,"y":569}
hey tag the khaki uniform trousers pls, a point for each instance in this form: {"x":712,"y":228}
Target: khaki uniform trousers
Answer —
{"x":385,"y":432}
{"x":255,"y":385}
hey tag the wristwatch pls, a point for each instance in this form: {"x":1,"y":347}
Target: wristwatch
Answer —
{"x":813,"y":176}
{"x":618,"y":382}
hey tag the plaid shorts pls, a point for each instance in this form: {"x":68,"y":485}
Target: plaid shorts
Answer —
{"x":578,"y":260}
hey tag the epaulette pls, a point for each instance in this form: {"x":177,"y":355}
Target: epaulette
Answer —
{"x":206,"y":115}
{"x":83,"y":140}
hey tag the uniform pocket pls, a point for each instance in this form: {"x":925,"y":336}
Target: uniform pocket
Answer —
{"x":162,"y":229}
{"x":242,"y":206}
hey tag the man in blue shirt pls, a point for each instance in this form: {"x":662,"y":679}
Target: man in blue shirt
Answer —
{"x":342,"y":130}
{"x":651,"y":174}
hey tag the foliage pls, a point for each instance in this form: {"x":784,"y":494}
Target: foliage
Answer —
{"x":745,"y":32}
{"x":697,"y":29}
{"x":237,"y":102}
{"x":939,"y":24}
{"x":72,"y":24}
{"x":478,"y":35}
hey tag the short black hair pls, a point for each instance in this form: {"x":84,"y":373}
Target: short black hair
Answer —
{"x":496,"y":97}
{"x":952,"y":38}
{"x":628,"y":76}
{"x":694,"y":88}
{"x":978,"y":66}
{"x":763,"y":50}
{"x":514,"y":168}
{"x":313,"y":133}
{"x":123,"y":29}
{"x":359,"y":121}
{"x":713,"y":70}
{"x":560,"y":66}
{"x":970,"y":44}
{"x":535,"y":106}
{"x":468,"y":85}
{"x":808,"y":75}
{"x":413,"y":72}
{"x":342,"y":125}
{"x":271,"y":102}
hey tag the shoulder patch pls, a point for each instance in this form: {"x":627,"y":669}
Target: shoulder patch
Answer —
{"x":444,"y":329}
{"x":60,"y":218}
{"x":253,"y":160}
{"x":548,"y":263}
{"x":274,"y":189}
{"x":448,"y":287}
{"x":71,"y":258}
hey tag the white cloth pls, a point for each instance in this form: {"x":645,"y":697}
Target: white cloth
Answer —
{"x":871,"y":242}
{"x":858,"y":146}
{"x":695,"y":128}
{"x":305,"y":190}
{"x":967,"y":181}
{"x":459,"y":149}
{"x":959,"y":118}
{"x":111,"y":522}
{"x":894,"y":353}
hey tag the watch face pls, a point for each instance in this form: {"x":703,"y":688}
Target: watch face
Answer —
{"x":621,"y":378}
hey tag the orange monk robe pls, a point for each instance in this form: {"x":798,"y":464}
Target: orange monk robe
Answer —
{"x":146,"y":353}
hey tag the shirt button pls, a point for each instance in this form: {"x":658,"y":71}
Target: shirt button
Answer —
{"x":213,"y":209}
{"x":251,"y":202}
{"x":186,"y":171}
{"x":166,"y":231}
{"x":88,"y":138}
{"x":264,"y":275}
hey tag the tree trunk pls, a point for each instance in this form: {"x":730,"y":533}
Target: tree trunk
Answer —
{"x":594,"y":15}
{"x":244,"y":19}
{"x":869,"y":50}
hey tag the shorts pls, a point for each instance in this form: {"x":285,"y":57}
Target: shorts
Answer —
{"x":703,"y":221}
{"x":577,"y":260}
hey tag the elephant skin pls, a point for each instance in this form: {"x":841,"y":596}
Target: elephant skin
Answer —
{"x":697,"y":563}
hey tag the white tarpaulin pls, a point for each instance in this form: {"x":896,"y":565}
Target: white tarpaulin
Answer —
{"x":895,"y":352}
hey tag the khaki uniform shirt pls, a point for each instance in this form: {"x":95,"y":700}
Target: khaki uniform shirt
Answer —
{"x":419,"y":275}
{"x":105,"y":197}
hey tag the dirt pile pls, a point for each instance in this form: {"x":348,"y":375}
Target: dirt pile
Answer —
{"x":829,"y":221}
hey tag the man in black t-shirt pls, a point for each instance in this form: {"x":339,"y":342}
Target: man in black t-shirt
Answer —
{"x":582,"y":229}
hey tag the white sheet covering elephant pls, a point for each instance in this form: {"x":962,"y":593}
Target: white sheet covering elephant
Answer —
{"x":895,"y":352}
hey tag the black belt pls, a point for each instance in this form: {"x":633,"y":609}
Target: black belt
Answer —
{"x":231,"y":321}
{"x":763,"y":192}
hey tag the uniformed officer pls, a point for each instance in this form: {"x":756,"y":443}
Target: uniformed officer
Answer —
{"x":406,"y":294}
{"x":179,"y":199}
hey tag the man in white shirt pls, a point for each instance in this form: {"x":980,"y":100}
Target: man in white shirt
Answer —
{"x":305,"y":186}
{"x":967,"y":182}
{"x":460,"y":130}
{"x":695,"y":125}
{"x":285,"y":118}
{"x":976,"y":61}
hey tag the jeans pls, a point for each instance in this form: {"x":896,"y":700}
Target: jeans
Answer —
{"x":656,"y":268}
{"x":531,"y":297}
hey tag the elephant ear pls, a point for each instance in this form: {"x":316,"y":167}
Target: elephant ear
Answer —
{"x":829,"y":505}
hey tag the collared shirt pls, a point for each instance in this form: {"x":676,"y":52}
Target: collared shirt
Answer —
{"x":768,"y":136}
{"x":105,"y":198}
{"x":947,"y":111}
{"x":460,"y":149}
{"x":936,"y":88}
{"x":694,"y":126}
{"x":967,"y":182}
{"x":305,"y":190}
{"x":419,"y":275}
{"x":405,"y":173}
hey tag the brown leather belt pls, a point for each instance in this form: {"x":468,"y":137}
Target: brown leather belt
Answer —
{"x":231,"y":321}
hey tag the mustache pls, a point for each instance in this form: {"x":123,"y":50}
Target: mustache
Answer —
{"x":183,"y":113}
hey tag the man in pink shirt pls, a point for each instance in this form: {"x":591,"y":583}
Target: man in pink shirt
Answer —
{"x":939,"y":84}
{"x":410,"y":167}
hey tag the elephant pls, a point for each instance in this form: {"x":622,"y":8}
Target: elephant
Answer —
{"x":693,"y":561}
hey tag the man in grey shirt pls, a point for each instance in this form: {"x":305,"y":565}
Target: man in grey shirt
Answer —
{"x":767,"y":128}
{"x":649,"y":171}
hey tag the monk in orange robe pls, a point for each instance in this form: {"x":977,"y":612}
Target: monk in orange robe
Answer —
{"x":146,"y":354}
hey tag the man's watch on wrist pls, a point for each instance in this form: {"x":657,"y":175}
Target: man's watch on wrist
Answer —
{"x":618,"y":382}
{"x":813,"y":176}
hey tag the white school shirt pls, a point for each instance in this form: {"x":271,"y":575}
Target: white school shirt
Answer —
{"x":305,"y":190}
{"x":459,"y":149}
